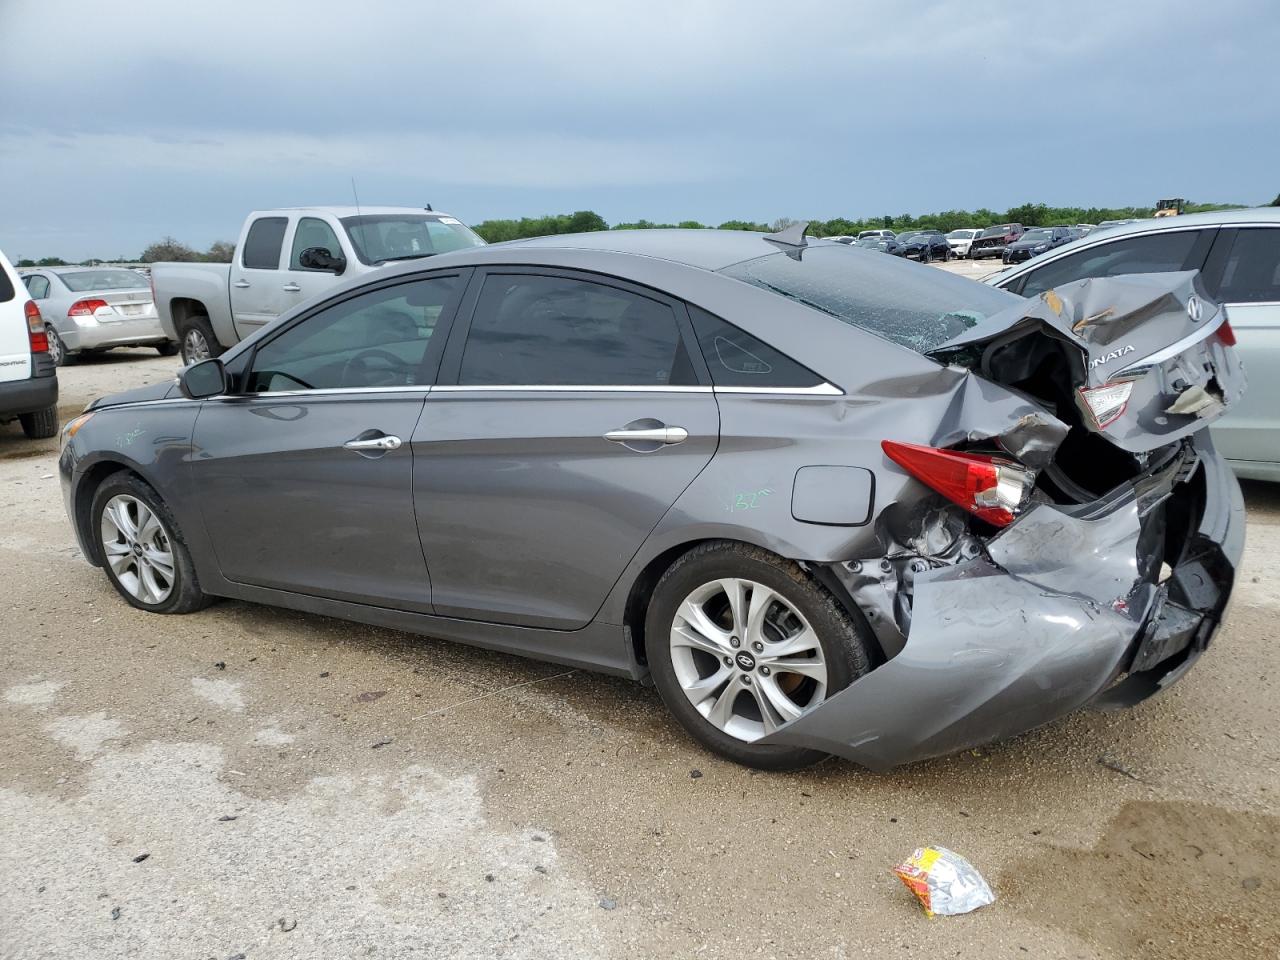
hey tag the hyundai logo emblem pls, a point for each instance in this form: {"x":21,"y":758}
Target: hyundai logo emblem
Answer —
{"x":1195,"y":309}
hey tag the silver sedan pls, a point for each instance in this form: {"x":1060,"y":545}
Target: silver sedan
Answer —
{"x":88,"y":309}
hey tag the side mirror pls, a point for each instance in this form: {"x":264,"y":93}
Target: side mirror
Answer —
{"x":319,"y":258}
{"x":204,"y":379}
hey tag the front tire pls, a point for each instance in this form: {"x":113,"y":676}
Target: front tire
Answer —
{"x":40,"y":425}
{"x":740,"y":641}
{"x":197,"y":340}
{"x":142,"y":549}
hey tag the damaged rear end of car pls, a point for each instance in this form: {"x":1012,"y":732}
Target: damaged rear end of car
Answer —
{"x":1071,"y":537}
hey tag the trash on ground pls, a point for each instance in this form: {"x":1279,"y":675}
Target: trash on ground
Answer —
{"x":945,"y":883}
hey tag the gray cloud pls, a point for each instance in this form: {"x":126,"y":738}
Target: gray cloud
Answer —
{"x":177,"y":118}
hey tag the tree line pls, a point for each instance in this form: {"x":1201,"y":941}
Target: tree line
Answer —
{"x":586,"y":221}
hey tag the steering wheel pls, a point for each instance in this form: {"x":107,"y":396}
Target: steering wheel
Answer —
{"x":391,"y":371}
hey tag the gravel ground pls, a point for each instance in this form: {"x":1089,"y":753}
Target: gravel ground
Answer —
{"x":259,"y":783}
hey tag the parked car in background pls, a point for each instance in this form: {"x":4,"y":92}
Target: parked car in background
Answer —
{"x":286,"y":256}
{"x":1108,"y":224}
{"x":992,"y":241}
{"x":1238,"y":255}
{"x":888,"y":245}
{"x":961,"y":240}
{"x":924,"y":245}
{"x":1084,"y":228}
{"x":28,"y":375}
{"x":92,"y":309}
{"x":1036,"y":241}
{"x":579,"y":448}
{"x":842,"y":238}
{"x":887,"y":234}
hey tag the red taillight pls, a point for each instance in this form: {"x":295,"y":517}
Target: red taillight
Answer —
{"x":35,"y":328}
{"x":1226,"y":334}
{"x":85,"y":308}
{"x":988,"y":487}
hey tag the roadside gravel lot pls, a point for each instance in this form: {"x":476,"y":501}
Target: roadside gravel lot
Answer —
{"x":258,"y":783}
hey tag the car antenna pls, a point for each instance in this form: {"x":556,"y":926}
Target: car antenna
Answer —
{"x":364,"y":238}
{"x":791,"y":240}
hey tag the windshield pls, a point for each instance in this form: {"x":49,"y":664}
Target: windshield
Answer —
{"x":889,"y":297}
{"x":82,"y":281}
{"x":379,"y":237}
{"x":1037,"y":236}
{"x":997,"y":231}
{"x":960,"y":234}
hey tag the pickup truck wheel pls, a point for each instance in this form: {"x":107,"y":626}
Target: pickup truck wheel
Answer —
{"x":167,"y":349}
{"x":40,"y":425}
{"x":198,"y":341}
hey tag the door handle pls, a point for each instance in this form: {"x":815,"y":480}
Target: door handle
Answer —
{"x":241,"y":284}
{"x":374,"y":443}
{"x":291,"y":288}
{"x":665,"y":435}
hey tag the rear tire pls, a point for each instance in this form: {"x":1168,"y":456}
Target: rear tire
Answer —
{"x":40,"y":425}
{"x":197,"y":340}
{"x":57,"y":349}
{"x":141,"y":548}
{"x":828,"y":645}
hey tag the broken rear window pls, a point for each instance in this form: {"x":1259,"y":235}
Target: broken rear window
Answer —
{"x":913,"y":306}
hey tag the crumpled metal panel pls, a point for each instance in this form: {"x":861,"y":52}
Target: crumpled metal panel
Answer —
{"x":1153,"y":330}
{"x":995,"y":648}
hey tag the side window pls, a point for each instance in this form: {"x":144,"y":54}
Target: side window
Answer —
{"x":37,"y":286}
{"x":312,"y":232}
{"x":737,"y":359}
{"x":263,"y":242}
{"x":1150,"y":253}
{"x":1251,"y":270}
{"x":537,"y":330}
{"x":376,"y":339}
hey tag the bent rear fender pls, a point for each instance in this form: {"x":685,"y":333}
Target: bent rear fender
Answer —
{"x":1060,"y":604}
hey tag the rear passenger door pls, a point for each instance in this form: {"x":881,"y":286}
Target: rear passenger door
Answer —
{"x":257,"y":282}
{"x":1243,"y":272}
{"x":572,"y":412}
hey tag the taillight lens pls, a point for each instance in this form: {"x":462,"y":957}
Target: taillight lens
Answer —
{"x":1226,"y":334}
{"x":85,"y":308}
{"x":35,"y":328}
{"x":1104,"y":404}
{"x":989,"y":487}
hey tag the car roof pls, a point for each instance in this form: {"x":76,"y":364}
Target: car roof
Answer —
{"x":352,"y":211}
{"x":1212,"y":218}
{"x":706,"y":249}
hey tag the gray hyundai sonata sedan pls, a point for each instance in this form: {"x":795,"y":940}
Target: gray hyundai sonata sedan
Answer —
{"x":826,"y":501}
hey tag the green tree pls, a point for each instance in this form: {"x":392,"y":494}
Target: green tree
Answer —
{"x":169,"y":249}
{"x":51,"y":262}
{"x":220,"y":251}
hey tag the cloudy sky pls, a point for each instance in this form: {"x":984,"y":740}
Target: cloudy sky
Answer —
{"x":124,"y":122}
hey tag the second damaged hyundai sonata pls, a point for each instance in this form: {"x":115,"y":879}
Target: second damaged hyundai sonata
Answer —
{"x":827,"y":501}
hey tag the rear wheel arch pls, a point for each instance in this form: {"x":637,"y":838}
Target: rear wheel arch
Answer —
{"x":643,"y":585}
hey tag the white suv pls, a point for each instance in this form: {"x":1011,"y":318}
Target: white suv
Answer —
{"x":28,"y":377}
{"x":961,"y":240}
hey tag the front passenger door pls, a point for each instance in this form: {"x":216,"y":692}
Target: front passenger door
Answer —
{"x":305,"y":473}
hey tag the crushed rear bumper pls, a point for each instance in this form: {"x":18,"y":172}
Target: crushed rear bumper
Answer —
{"x":1065,"y":608}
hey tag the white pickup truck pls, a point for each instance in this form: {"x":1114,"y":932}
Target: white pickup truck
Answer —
{"x":287,"y":256}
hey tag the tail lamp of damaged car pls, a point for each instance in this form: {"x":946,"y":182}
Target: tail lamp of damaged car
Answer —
{"x":991,"y":488}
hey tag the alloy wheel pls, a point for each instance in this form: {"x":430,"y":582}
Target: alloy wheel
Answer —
{"x":195,"y":347}
{"x":746,"y":658}
{"x":57,"y":350}
{"x":136,"y":546}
